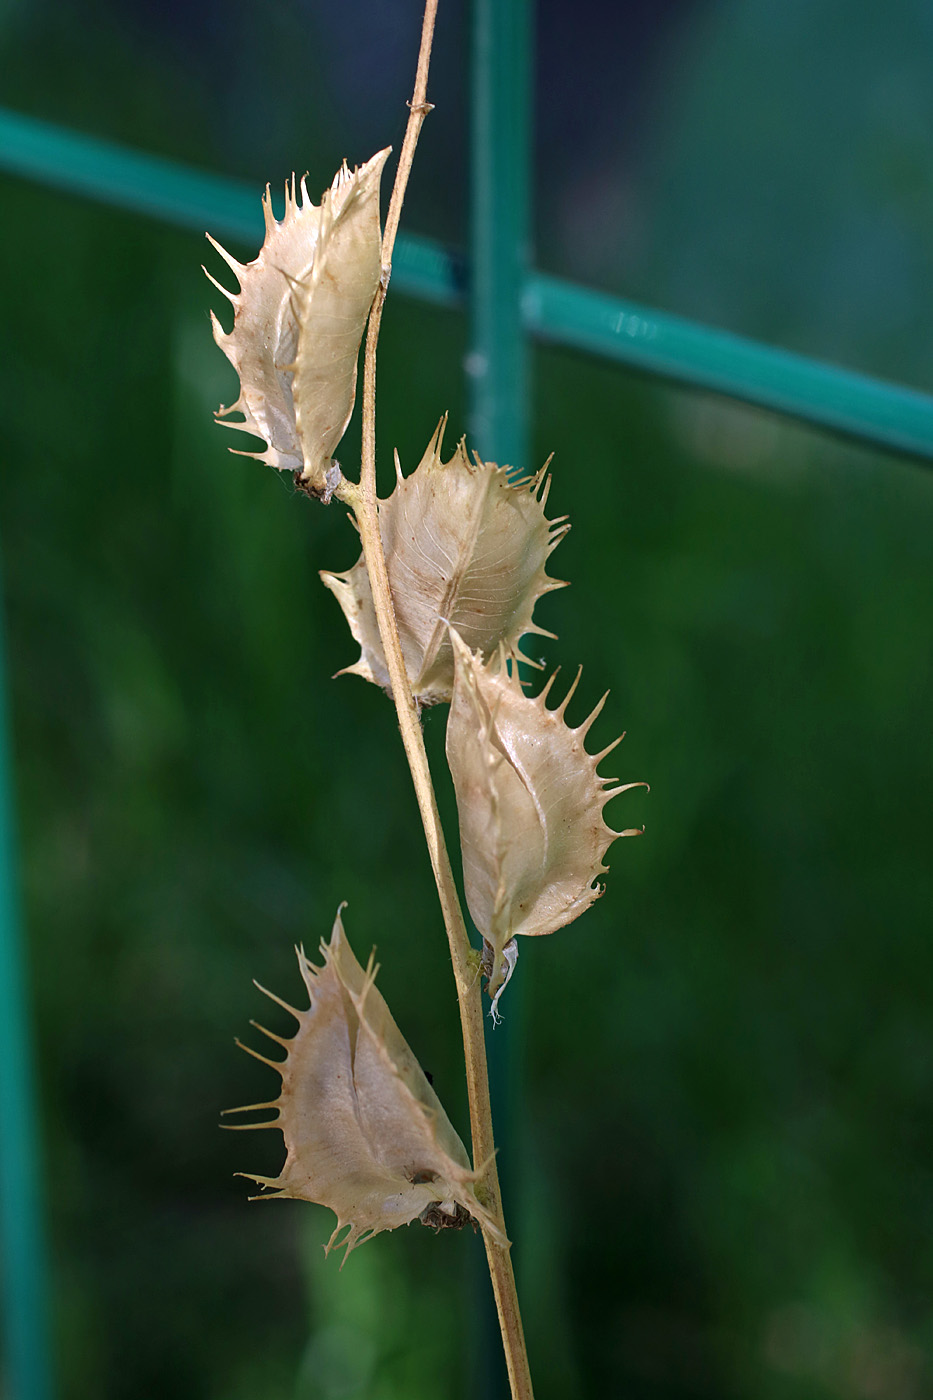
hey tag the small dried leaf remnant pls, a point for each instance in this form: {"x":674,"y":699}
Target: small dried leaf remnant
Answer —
{"x":530,"y":803}
{"x":464,"y":545}
{"x":365,"y":1133}
{"x":298,"y":321}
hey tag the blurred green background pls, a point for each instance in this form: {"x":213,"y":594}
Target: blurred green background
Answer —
{"x":722,"y":1166}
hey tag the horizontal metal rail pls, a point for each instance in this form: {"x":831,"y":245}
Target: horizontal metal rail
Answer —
{"x":872,"y":410}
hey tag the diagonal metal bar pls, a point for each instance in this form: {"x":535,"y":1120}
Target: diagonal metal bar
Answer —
{"x":873,"y":410}
{"x":185,"y":196}
{"x":884,"y":414}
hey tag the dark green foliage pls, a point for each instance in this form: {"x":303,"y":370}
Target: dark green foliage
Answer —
{"x":725,"y":1151}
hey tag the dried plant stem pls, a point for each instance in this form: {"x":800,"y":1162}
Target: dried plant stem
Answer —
{"x":363,"y":501}
{"x":465,"y":961}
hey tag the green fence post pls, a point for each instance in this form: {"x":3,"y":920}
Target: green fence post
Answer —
{"x":498,"y":381}
{"x":497,"y":365}
{"x":27,"y":1355}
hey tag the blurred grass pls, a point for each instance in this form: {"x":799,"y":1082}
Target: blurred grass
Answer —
{"x":729,"y":1057}
{"x":727,"y":1169}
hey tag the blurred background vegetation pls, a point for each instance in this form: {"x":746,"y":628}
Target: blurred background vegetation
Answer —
{"x":722,"y":1165}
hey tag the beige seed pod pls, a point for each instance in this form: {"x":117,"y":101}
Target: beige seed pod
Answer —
{"x":464,"y":545}
{"x":364,"y":1131}
{"x":530,"y":803}
{"x":299,"y":319}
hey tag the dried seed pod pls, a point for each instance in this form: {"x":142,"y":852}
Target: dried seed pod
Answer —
{"x":299,"y":319}
{"x":365,"y":1133}
{"x":531,"y":805}
{"x":464,"y":545}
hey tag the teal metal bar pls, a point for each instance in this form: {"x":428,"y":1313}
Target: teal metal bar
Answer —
{"x":500,"y":211}
{"x":498,"y":397}
{"x":872,"y":410}
{"x":27,"y":1353}
{"x":181,"y":195}
{"x":127,"y":179}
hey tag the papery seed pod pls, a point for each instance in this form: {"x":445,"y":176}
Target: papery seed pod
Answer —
{"x":299,"y":319}
{"x":530,"y":803}
{"x":465,"y":545}
{"x":365,"y":1133}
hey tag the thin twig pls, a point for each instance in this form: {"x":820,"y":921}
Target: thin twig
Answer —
{"x":363,"y":501}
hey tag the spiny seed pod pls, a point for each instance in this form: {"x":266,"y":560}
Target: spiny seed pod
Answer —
{"x":365,"y":1133}
{"x":531,"y":805}
{"x":464,"y":545}
{"x":299,"y":319}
